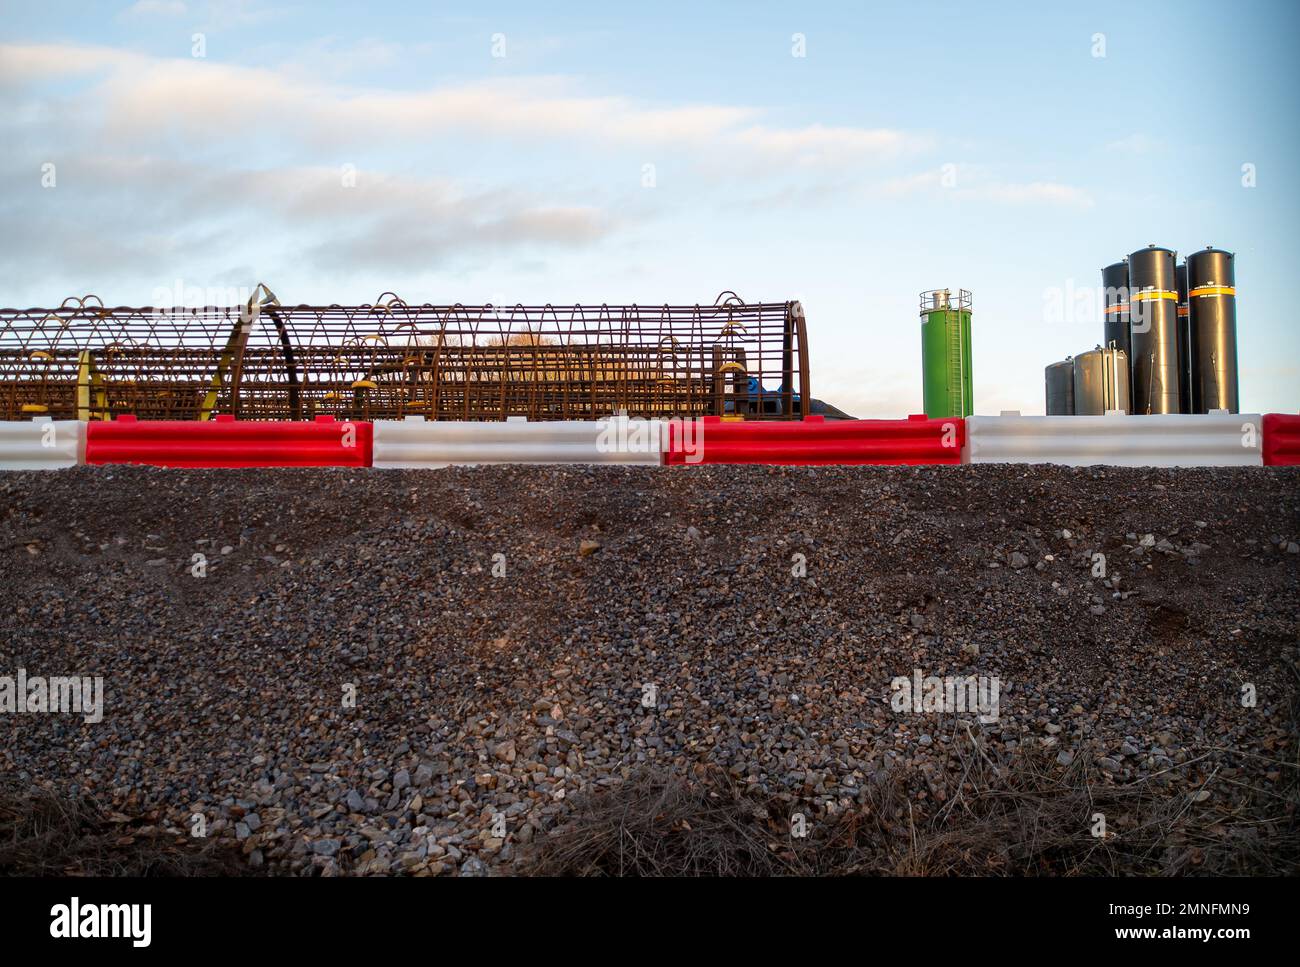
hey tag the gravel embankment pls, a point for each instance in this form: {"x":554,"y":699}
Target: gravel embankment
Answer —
{"x":478,"y":695}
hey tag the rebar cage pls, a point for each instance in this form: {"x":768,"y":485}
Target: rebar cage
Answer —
{"x":390,"y":360}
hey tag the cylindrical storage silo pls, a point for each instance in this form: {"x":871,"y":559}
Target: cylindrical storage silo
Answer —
{"x":1059,"y":378}
{"x":945,"y":353}
{"x":1153,"y":323}
{"x":1101,"y":382}
{"x":1114,"y":283}
{"x":1186,"y":403}
{"x":1212,"y":308}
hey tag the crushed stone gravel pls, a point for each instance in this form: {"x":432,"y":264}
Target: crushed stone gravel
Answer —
{"x":414,"y":672}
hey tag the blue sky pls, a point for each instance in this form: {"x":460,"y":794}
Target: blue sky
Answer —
{"x":337,"y":151}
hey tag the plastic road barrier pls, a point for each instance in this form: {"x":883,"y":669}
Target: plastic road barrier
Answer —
{"x":41,"y":444}
{"x":1281,"y":439}
{"x":1118,"y":440}
{"x":225,"y":442}
{"x":416,"y":442}
{"x":815,"y":440}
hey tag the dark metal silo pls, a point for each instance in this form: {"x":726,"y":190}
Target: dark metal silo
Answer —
{"x":1101,"y":382}
{"x":1212,"y":304}
{"x":1059,"y":378}
{"x":1153,"y":313}
{"x":1114,"y":283}
{"x":1186,"y":397}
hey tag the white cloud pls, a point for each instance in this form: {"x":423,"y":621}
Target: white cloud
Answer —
{"x":22,"y":64}
{"x":975,"y":183}
{"x":129,"y":130}
{"x":154,"y":8}
{"x":910,"y":184}
{"x":817,"y":144}
{"x":1034,"y":192}
{"x":227,"y":14}
{"x":143,"y":96}
{"x":1136,"y":143}
{"x":183,"y":214}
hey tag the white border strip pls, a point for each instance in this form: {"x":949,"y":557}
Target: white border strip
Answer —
{"x":416,"y":442}
{"x":1174,"y":440}
{"x":42,"y":444}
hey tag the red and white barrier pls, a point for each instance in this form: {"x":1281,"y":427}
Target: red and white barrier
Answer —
{"x":1204,"y":440}
{"x":226,"y":442}
{"x":1118,"y":440}
{"x":816,"y":441}
{"x":1281,"y":439}
{"x":416,"y":442}
{"x":42,"y":444}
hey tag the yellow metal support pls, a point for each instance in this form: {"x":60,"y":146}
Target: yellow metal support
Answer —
{"x":232,"y":356}
{"x":92,"y":397}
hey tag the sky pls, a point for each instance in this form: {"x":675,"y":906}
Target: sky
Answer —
{"x":847,"y":155}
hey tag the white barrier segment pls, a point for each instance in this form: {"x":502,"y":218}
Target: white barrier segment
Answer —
{"x":1119,"y":440}
{"x":416,"y":442}
{"x":965,"y":448}
{"x":42,"y":444}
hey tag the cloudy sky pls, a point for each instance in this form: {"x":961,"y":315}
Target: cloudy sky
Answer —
{"x":846,"y":155}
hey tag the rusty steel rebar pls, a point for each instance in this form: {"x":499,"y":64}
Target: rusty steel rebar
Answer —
{"x":389,"y":360}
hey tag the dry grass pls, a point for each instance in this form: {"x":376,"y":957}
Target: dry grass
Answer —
{"x":1025,"y":816}
{"x":43,"y":834}
{"x":649,"y":825}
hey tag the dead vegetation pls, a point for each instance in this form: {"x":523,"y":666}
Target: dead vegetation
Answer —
{"x":44,"y":834}
{"x":1025,"y":816}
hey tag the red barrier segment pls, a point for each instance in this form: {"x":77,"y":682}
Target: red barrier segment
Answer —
{"x":1281,"y":440}
{"x":226,"y":442}
{"x":815,"y":441}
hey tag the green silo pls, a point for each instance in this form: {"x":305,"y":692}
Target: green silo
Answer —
{"x":945,"y":353}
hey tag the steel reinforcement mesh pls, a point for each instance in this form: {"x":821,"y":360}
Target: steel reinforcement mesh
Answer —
{"x":390,"y":360}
